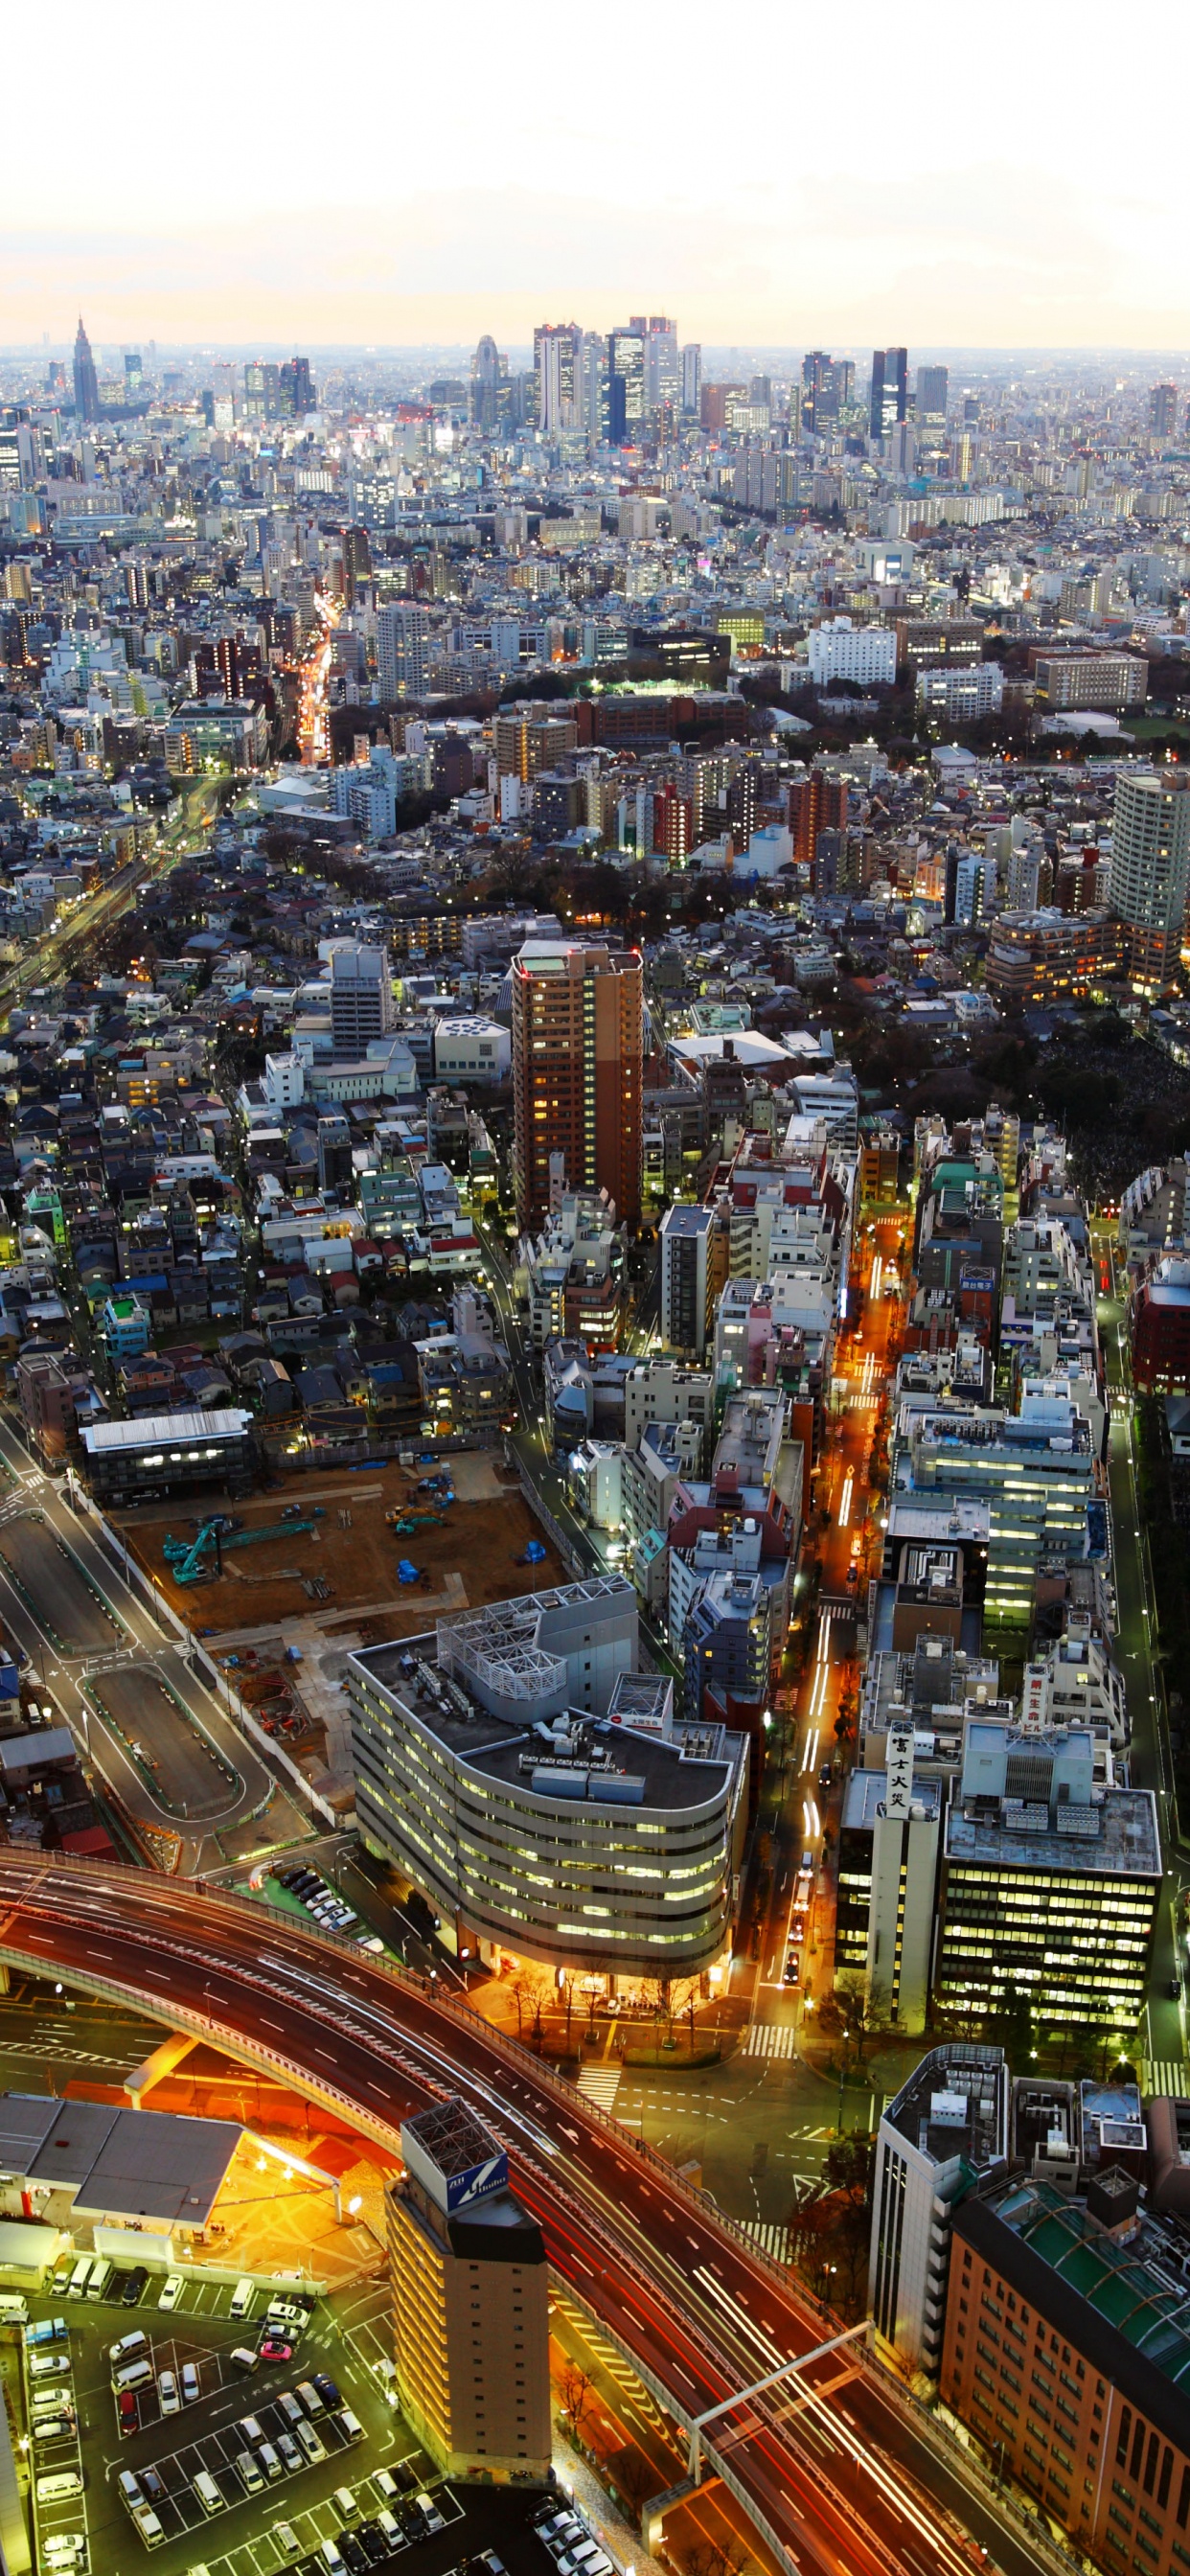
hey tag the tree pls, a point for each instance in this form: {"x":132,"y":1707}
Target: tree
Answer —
{"x":576,"y":2390}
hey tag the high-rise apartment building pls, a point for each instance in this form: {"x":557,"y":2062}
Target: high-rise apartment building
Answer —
{"x":86,"y":381}
{"x":692,"y":378}
{"x":556,"y":348}
{"x":361,"y":998}
{"x":577,"y":1070}
{"x":690,"y":1276}
{"x":470,"y":2302}
{"x":930,"y":399}
{"x":889,"y":400}
{"x":816,"y":804}
{"x":403,"y":652}
{"x":1150,"y":870}
{"x":1163,"y":411}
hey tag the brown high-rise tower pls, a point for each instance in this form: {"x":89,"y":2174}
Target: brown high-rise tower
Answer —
{"x":577,"y":1070}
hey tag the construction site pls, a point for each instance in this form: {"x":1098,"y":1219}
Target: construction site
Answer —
{"x":282,"y":1588}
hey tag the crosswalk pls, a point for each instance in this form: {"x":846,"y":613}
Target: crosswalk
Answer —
{"x":601,"y":2084}
{"x":769,"y":2039}
{"x":772,"y":2238}
{"x":1165,"y":2075}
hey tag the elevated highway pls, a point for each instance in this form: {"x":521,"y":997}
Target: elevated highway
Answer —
{"x":838,"y":2474}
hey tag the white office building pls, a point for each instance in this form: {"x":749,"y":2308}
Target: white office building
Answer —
{"x":361,"y":998}
{"x":945,"y":2129}
{"x":840,"y":651}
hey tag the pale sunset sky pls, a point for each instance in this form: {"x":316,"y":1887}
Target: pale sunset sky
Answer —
{"x":782,"y":173}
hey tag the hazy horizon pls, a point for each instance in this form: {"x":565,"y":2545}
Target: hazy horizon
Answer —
{"x":786,"y":185}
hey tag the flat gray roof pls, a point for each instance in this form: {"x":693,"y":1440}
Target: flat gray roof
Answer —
{"x":155,"y":1430}
{"x":116,"y":2161}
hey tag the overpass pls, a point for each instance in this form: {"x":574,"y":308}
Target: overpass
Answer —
{"x":840,"y":2476}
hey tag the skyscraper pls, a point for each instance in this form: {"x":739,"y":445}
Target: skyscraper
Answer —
{"x":933,"y":386}
{"x":826,"y":387}
{"x":1163,"y":411}
{"x":577,"y":1071}
{"x":890,"y":391}
{"x":296,"y":391}
{"x":86,"y":382}
{"x":555,"y":350}
{"x":489,"y":382}
{"x":692,"y":378}
{"x":1150,"y":870}
{"x":624,"y":408}
{"x":663,"y":374}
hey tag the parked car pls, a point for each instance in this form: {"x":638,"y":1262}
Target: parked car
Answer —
{"x":134,"y":2285}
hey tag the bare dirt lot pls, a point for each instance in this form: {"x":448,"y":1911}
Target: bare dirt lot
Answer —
{"x":469,"y":1555}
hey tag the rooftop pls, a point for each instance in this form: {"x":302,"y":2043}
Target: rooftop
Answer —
{"x":1125,"y":1845}
{"x":955,"y":2106}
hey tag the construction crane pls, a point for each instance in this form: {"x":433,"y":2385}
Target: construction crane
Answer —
{"x":187,"y":1556}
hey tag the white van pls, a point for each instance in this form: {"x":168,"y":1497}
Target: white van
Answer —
{"x":55,"y":2485}
{"x":241,"y":2297}
{"x":135,"y":2374}
{"x":80,"y":2276}
{"x":248,"y":2471}
{"x":207,"y":2492}
{"x":14,"y":2310}
{"x":100,"y":2281}
{"x":352,"y":2431}
{"x":331,"y":2557}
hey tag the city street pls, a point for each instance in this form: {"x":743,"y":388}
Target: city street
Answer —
{"x":175,"y":1761}
{"x":1148,"y":1753}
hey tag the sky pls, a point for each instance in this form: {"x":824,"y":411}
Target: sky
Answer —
{"x":850,"y":175}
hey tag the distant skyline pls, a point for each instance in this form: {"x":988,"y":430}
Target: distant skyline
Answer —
{"x":792,"y":177}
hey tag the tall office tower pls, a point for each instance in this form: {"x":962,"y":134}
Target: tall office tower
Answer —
{"x":663,"y":372}
{"x":624,"y":379}
{"x":133,"y":371}
{"x":361,"y":998}
{"x":357,"y":559}
{"x":820,"y":390}
{"x":555,"y":349}
{"x":1163,"y":411}
{"x":297,"y":393}
{"x":489,"y":381}
{"x":577,"y":1072}
{"x":692,"y":378}
{"x":403,"y":652}
{"x":933,"y":386}
{"x":470,"y":2302}
{"x":86,"y":382}
{"x":890,"y":391}
{"x":1150,"y":870}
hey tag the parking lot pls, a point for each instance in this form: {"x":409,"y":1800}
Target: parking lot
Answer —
{"x":272,"y":2500}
